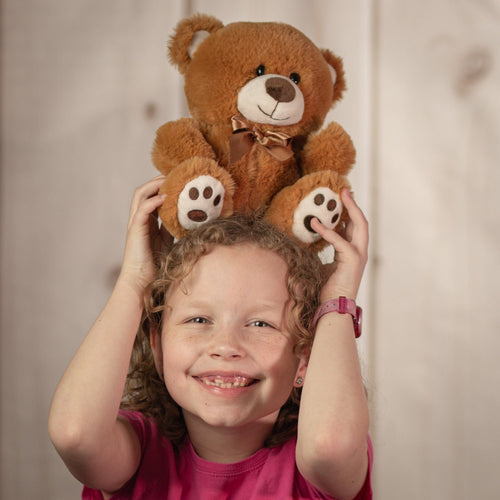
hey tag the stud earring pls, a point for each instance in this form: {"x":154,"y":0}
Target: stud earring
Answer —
{"x":299,"y":381}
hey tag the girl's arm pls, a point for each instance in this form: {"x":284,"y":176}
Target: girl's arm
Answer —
{"x":101,"y":450}
{"x":333,"y":419}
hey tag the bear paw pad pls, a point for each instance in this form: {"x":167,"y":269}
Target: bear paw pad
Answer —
{"x":200,"y":201}
{"x":321,"y":203}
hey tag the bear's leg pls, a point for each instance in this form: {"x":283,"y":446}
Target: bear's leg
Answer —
{"x":198,"y":190}
{"x":314,"y":195}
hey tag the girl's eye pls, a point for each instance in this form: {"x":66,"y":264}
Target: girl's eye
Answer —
{"x":295,"y":77}
{"x":260,"y":70}
{"x":198,"y":320}
{"x":261,"y":324}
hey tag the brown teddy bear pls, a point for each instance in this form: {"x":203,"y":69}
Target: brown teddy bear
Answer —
{"x":258,"y":93}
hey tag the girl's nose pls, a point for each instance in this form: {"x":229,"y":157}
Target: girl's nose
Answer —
{"x":226,"y":344}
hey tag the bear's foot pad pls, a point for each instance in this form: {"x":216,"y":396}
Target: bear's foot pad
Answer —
{"x":200,"y":201}
{"x":322,"y":204}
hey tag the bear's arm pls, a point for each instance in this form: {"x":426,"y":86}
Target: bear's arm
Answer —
{"x":330,"y":149}
{"x":177,"y":141}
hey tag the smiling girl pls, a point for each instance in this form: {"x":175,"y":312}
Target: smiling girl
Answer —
{"x":232,"y":391}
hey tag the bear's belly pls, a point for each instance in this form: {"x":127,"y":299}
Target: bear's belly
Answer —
{"x":259,"y":176}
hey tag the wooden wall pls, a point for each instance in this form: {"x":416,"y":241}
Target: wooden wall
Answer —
{"x":437,"y":141}
{"x":84,"y":86}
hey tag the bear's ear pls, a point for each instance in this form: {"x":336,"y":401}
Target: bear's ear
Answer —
{"x":188,"y":35}
{"x":337,"y":71}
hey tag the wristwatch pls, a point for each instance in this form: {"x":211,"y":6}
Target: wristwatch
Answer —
{"x":341,"y":305}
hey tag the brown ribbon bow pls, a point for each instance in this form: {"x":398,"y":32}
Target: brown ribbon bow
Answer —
{"x":245,"y":136}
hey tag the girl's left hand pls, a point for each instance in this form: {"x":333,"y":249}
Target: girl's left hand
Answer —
{"x":351,"y":252}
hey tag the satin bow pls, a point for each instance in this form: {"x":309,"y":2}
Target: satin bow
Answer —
{"x":245,"y":136}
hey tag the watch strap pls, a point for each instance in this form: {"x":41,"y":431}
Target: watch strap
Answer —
{"x":341,"y":305}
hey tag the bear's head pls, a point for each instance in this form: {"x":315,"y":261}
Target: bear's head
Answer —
{"x":270,"y":73}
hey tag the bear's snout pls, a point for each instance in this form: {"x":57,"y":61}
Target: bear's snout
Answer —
{"x":280,"y":89}
{"x":272,"y":99}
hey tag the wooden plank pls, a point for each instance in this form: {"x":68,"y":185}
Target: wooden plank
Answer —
{"x":85,"y":84}
{"x":438,"y":234}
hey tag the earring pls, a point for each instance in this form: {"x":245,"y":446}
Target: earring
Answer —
{"x":299,"y":381}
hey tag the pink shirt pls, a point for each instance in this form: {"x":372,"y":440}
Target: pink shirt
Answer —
{"x":164,"y":474}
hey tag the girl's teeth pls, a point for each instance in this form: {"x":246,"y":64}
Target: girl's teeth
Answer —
{"x":239,"y":382}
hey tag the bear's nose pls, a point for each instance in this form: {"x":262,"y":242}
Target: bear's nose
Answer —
{"x":280,"y":89}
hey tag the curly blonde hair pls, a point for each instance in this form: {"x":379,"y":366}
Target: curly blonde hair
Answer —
{"x":145,"y":390}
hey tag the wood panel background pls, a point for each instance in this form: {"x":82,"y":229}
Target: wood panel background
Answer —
{"x":84,"y":86}
{"x":437,"y":137}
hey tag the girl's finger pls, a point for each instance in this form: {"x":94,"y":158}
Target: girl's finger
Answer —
{"x":357,"y":227}
{"x":146,"y":208}
{"x":335,"y":239}
{"x":144,"y":192}
{"x":355,"y":213}
{"x":349,"y":230}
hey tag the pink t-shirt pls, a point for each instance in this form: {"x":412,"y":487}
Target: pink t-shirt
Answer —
{"x":165,"y":474}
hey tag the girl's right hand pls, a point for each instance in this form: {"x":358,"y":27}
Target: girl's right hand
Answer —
{"x":144,"y":236}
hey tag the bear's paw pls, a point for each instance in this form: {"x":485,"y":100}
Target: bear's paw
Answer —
{"x":200,"y":201}
{"x":322,"y":203}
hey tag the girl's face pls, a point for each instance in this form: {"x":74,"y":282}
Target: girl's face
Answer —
{"x":225,"y":353}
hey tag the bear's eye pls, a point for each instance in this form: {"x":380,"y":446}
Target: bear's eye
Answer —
{"x":295,"y":77}
{"x":260,"y":70}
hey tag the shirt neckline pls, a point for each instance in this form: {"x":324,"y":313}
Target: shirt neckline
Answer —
{"x":253,"y":462}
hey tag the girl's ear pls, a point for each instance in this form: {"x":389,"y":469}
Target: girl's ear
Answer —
{"x":155,"y":342}
{"x":300,"y":374}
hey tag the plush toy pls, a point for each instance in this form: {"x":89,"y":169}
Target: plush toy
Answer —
{"x":258,"y":94}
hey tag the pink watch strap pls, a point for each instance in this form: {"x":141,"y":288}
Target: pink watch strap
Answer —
{"x":341,"y":305}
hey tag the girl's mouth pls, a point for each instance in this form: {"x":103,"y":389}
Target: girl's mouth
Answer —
{"x":227,"y":382}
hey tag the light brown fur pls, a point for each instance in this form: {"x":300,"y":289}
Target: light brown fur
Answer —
{"x":223,"y":63}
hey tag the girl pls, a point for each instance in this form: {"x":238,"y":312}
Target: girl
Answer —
{"x":227,"y":395}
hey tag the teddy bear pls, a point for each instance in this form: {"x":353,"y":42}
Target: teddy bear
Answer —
{"x":258,"y":94}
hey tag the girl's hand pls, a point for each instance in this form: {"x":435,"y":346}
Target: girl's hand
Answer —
{"x":144,"y":236}
{"x":351,"y":252}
